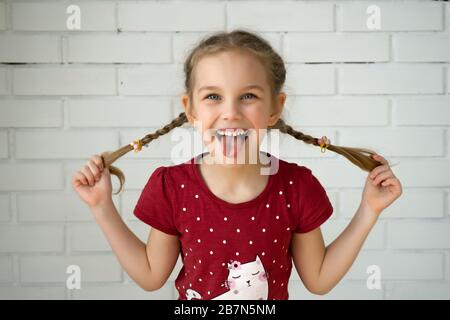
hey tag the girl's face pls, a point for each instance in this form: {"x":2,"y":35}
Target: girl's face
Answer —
{"x":231,"y":91}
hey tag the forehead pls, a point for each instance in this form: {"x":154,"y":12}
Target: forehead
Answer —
{"x":230,"y":69}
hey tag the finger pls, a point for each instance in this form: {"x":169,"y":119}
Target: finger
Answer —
{"x":98,"y":161}
{"x":76,"y":181}
{"x":381,"y":177}
{"x":78,"y":177}
{"x":378,"y":170}
{"x":380,"y":158}
{"x":389,"y":182}
{"x":95,"y":170}
{"x":87,"y":172}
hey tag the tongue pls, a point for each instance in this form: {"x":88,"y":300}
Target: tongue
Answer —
{"x":231,"y":145}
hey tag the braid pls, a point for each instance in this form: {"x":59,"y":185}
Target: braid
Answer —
{"x":359,"y":156}
{"x":110,"y":157}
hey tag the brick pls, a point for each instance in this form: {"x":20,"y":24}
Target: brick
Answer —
{"x":64,"y":81}
{"x":3,"y":81}
{"x":340,"y":111}
{"x":448,"y":80}
{"x":30,"y":48}
{"x":386,"y":140}
{"x":438,"y":173}
{"x":375,"y":240}
{"x":30,"y":177}
{"x":447,"y":16}
{"x":2,"y":16}
{"x":95,"y":16}
{"x":419,"y":235}
{"x":332,"y":172}
{"x":435,"y":290}
{"x":410,"y":110}
{"x":398,"y":266}
{"x":94,"y":268}
{"x":421,"y":47}
{"x":184,"y":42}
{"x":125,"y":112}
{"x":52,"y":207}
{"x":122,"y":292}
{"x":413,"y":203}
{"x":344,"y":290}
{"x":391,"y":79}
{"x":310,"y":80}
{"x":284,"y":16}
{"x":32,"y":293}
{"x":447,"y":267}
{"x":6,"y":269}
{"x":22,"y":238}
{"x":162,"y":79}
{"x":87,"y":237}
{"x":5,"y":212}
{"x":129,"y":200}
{"x":3,"y":144}
{"x":130,"y":48}
{"x":17,"y":113}
{"x":172,"y":16}
{"x":329,"y":47}
{"x":411,"y":16}
{"x":137,"y":172}
{"x":71,"y":144}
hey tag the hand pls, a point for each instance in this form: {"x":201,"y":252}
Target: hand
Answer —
{"x":382,"y":187}
{"x":93,"y":183}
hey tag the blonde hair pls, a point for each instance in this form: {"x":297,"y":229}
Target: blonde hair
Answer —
{"x":275,"y":68}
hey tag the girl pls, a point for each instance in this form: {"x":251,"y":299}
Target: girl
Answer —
{"x":237,"y":230}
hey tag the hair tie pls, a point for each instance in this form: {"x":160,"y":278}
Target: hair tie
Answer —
{"x":325,"y":143}
{"x":137,"y":145}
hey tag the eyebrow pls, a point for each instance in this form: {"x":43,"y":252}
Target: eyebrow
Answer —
{"x":252,"y":86}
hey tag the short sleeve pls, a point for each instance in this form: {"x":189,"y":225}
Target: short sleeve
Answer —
{"x":154,"y":206}
{"x":315,"y":206}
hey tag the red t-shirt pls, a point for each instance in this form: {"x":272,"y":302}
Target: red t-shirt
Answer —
{"x":233,"y":251}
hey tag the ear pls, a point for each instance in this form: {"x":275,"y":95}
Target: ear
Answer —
{"x":188,"y":109}
{"x":258,"y":261}
{"x":278,"y":108}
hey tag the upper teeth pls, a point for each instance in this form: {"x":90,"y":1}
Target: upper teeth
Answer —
{"x":232,"y":132}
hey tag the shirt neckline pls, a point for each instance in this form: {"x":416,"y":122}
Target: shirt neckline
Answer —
{"x":197,"y":174}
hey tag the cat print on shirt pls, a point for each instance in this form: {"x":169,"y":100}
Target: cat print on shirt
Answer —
{"x":246,"y":281}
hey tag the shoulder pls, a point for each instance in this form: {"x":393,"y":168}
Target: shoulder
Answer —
{"x":172,"y":173}
{"x":300,"y":173}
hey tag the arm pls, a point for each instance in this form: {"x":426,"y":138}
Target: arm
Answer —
{"x":148,"y":265}
{"x":322,"y":268}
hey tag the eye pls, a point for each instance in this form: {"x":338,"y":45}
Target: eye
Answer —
{"x":236,"y":277}
{"x":211,"y":95}
{"x":249,"y":94}
{"x":254,"y":274}
{"x":215,"y":95}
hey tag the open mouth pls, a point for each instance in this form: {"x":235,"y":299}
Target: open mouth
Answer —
{"x":232,"y":140}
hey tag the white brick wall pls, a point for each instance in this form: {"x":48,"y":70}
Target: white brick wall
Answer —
{"x":66,"y":94}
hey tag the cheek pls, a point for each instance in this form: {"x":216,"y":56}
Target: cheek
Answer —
{"x":262,"y":276}
{"x":257,"y":115}
{"x":232,"y":283}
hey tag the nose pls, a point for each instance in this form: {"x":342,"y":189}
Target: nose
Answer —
{"x":231,"y":111}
